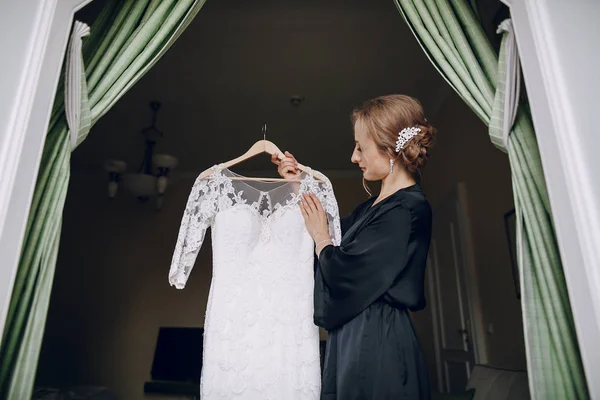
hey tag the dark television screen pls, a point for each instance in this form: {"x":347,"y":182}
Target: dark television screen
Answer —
{"x":178,"y":355}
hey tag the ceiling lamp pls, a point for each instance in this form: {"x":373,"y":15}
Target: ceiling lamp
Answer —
{"x":151,"y":178}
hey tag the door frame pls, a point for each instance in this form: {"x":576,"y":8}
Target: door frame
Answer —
{"x":477,"y":322}
{"x":558,"y":106}
{"x":37,"y":46}
{"x":553,"y":38}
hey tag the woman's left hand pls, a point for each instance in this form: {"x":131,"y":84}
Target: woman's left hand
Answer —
{"x":314,"y":217}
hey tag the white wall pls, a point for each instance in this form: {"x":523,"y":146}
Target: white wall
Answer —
{"x":33,"y":42}
{"x":560,"y":54}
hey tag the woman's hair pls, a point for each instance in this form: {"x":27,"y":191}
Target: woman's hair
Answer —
{"x":384,"y":118}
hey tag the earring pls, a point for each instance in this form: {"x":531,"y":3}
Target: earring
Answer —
{"x":391,"y":166}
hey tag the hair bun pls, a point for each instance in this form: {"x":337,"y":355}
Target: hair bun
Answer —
{"x":386,"y":116}
{"x":415,"y":153}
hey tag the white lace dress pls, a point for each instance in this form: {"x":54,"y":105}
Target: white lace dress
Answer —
{"x":260,"y":341}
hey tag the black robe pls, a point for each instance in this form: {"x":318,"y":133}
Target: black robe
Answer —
{"x":363,"y":291}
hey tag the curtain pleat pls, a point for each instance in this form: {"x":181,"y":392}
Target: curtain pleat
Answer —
{"x":126,"y":40}
{"x":453,"y":39}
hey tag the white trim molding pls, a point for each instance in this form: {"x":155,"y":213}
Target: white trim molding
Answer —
{"x":13,"y":135}
{"x":41,"y":30}
{"x":560,"y":56}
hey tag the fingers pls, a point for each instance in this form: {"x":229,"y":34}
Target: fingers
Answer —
{"x":310,"y":203}
{"x":317,"y":203}
{"x":305,"y":206}
{"x":286,"y":157}
{"x":306,"y":214}
{"x":286,"y":162}
{"x":275,"y":159}
{"x":314,"y":217}
{"x":287,"y":170}
{"x":280,"y":158}
{"x":303,"y":211}
{"x":314,"y":202}
{"x":290,"y":155}
{"x":287,"y":166}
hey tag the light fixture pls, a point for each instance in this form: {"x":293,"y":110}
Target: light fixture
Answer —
{"x":296,"y":100}
{"x":151,"y":179}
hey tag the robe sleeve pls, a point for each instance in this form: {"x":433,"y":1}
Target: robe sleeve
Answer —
{"x":198,"y":216}
{"x":350,"y":277}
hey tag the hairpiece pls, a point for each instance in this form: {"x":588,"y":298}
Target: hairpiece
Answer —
{"x":405,"y":135}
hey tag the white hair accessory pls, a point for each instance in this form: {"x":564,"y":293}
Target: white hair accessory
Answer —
{"x":405,"y":135}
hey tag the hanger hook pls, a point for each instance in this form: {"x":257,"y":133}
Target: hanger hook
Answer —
{"x":264,"y":131}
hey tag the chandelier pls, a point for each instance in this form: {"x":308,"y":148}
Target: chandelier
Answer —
{"x":150,"y":180}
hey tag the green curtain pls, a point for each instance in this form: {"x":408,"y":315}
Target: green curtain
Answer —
{"x":127,"y":39}
{"x":453,"y":39}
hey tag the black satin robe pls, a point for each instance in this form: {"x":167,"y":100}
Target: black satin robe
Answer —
{"x":363,"y":291}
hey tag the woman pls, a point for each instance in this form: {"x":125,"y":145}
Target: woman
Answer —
{"x":365,"y":287}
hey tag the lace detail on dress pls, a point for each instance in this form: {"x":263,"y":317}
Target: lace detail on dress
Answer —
{"x":260,"y":341}
{"x":199,"y":212}
{"x":324,"y":192}
{"x":215,"y":194}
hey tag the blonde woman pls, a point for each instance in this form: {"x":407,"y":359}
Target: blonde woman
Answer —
{"x":365,"y":287}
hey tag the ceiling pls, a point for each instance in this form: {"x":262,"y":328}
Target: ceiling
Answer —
{"x":238,"y":64}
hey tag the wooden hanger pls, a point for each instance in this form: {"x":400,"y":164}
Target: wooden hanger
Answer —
{"x":260,"y":147}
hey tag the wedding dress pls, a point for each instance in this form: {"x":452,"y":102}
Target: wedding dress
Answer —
{"x":260,"y":341}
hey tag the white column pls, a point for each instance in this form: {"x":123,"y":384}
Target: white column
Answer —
{"x":33,"y":48}
{"x":560,"y":53}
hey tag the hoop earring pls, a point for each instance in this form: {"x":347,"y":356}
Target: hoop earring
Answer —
{"x":391,"y":166}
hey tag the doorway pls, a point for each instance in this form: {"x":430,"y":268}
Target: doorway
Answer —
{"x":454,"y":295}
{"x":118,"y":254}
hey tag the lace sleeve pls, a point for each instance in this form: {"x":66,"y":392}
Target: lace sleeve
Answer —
{"x":331,"y":209}
{"x":198,"y":216}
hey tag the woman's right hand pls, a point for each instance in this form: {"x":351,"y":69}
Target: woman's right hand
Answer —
{"x":287,"y":166}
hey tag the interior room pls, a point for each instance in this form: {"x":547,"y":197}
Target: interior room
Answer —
{"x":299,"y":68}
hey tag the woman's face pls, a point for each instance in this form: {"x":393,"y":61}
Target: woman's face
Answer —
{"x":374,"y":164}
